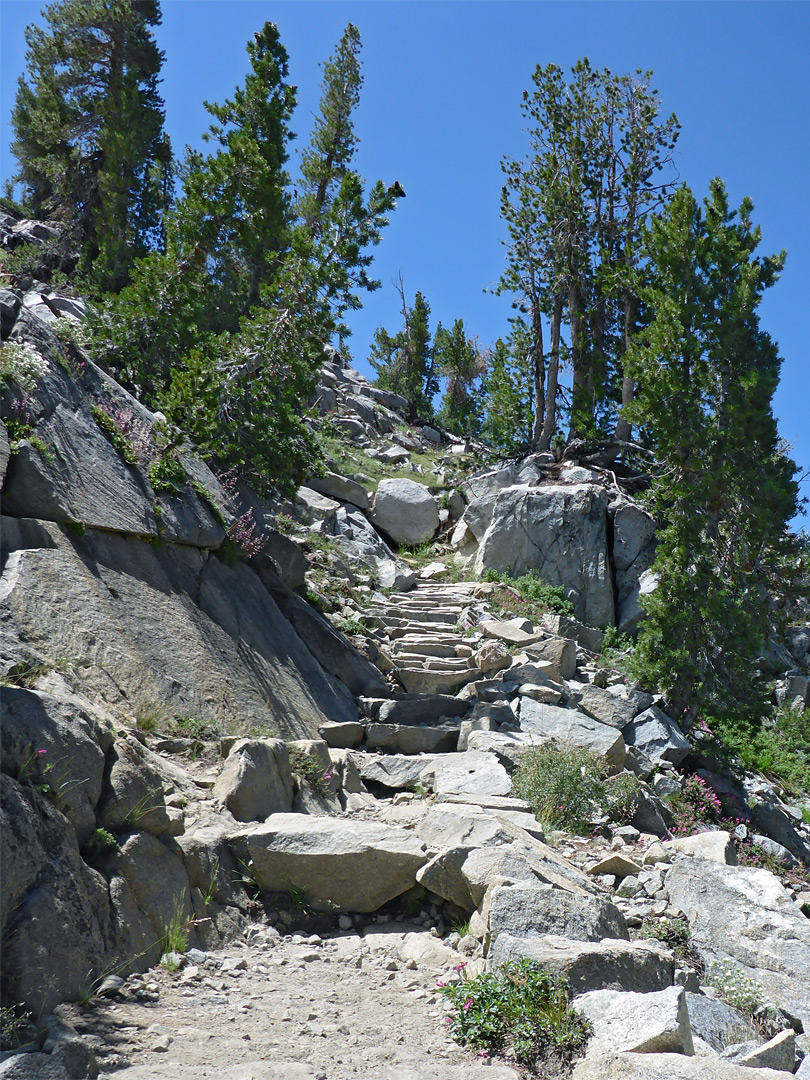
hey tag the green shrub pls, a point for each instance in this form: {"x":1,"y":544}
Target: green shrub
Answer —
{"x":534,"y":596}
{"x":780,"y":747}
{"x":567,"y":787}
{"x":309,"y":769}
{"x":166,"y":473}
{"x":520,"y":1011}
{"x":102,"y":840}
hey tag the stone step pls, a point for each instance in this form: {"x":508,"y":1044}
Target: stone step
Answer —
{"x":406,"y":628}
{"x":426,"y":614}
{"x":424,"y":648}
{"x":431,"y":663}
{"x":420,"y":681}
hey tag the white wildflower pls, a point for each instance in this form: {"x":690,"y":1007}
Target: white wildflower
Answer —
{"x":22,"y":364}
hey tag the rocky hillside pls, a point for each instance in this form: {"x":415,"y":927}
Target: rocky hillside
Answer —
{"x":309,"y":723}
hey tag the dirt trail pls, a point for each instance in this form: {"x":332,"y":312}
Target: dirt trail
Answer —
{"x":290,"y":1008}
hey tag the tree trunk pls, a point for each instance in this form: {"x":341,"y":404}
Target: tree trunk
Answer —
{"x":550,"y":420}
{"x":539,"y":377}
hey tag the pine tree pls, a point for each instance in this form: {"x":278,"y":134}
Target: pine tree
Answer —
{"x":459,"y":360}
{"x":88,"y":125}
{"x":338,"y":223}
{"x":236,"y":206}
{"x":573,"y":208}
{"x":404,"y":361}
{"x":506,"y":392}
{"x":707,"y":374}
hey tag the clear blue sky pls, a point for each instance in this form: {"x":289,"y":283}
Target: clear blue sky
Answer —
{"x":441,"y":107}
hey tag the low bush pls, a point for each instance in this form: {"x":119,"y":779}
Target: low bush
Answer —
{"x":530,"y":595}
{"x":780,"y":748}
{"x":520,"y":1011}
{"x":567,"y":787}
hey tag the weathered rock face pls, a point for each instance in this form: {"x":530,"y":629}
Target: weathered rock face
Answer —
{"x":152,"y":629}
{"x":256,"y":780}
{"x":744,"y":913}
{"x":561,"y":534}
{"x":591,"y":965}
{"x":357,"y":866}
{"x":570,"y":726}
{"x":54,"y":909}
{"x":631,"y":1066}
{"x":655,"y":1023}
{"x":406,"y":511}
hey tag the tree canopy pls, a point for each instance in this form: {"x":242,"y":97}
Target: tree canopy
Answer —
{"x":725,"y":491}
{"x":88,"y":127}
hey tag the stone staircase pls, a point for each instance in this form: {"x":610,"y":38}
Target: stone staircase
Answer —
{"x":424,"y":630}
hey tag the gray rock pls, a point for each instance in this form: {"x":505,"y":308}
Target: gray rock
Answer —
{"x":256,"y":780}
{"x":654,"y":1023}
{"x":630,"y":1066}
{"x":395,"y":771}
{"x":493,"y":656}
{"x":524,"y":909}
{"x":560,"y":533}
{"x":288,"y":559}
{"x":447,"y":825}
{"x":658,"y":736}
{"x":405,"y":511}
{"x":33,"y":1067}
{"x":631,"y":612}
{"x":342,"y":736}
{"x":421,"y":709}
{"x":332,"y":650}
{"x":715,"y":1022}
{"x":609,"y":964}
{"x":561,"y":652}
{"x":133,"y":797}
{"x":55,"y":910}
{"x":472,"y":773}
{"x":716,"y":845}
{"x":566,"y":627}
{"x":311,"y":506}
{"x":55,"y":743}
{"x":463,"y":874}
{"x":778,"y":1053}
{"x":772,"y":820}
{"x":402,"y":739}
{"x":5,"y":452}
{"x":151,"y":631}
{"x":354,"y":865}
{"x":341,"y":488}
{"x":633,"y":529}
{"x":567,"y":726}
{"x":605,"y":707}
{"x":745,"y":914}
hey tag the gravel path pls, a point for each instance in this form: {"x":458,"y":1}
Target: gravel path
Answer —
{"x":289,"y":1008}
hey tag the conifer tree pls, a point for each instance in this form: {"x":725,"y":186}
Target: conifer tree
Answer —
{"x":236,"y":206}
{"x":404,"y":361}
{"x":459,"y":360}
{"x":338,"y":223}
{"x":573,"y":208}
{"x":507,"y":395}
{"x":707,"y":374}
{"x":88,"y":126}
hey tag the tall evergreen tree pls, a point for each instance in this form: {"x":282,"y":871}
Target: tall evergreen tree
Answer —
{"x":88,"y":126}
{"x":338,"y":223}
{"x":404,"y":361}
{"x":459,"y":360}
{"x":236,"y":206}
{"x":508,"y":413}
{"x":573,"y":209}
{"x":707,"y":374}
